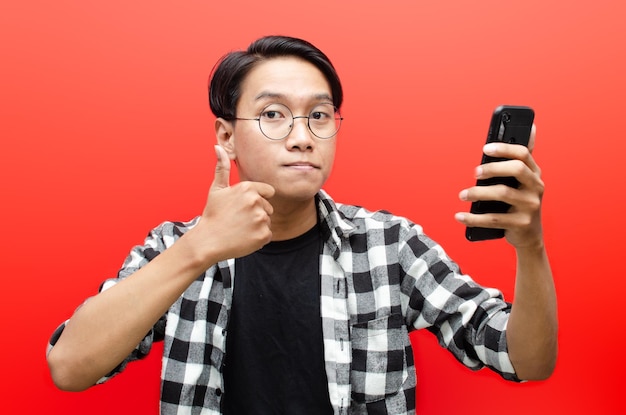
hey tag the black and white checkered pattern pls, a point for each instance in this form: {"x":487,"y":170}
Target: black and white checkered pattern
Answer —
{"x":381,"y":277}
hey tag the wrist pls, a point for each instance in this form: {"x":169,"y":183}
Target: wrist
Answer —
{"x":196,"y":251}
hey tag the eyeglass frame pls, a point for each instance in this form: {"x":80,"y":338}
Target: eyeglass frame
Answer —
{"x":293,"y":117}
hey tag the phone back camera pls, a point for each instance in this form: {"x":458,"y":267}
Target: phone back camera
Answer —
{"x":506,"y":117}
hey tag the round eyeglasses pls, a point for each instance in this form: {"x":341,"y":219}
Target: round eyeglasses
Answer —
{"x":276,"y":121}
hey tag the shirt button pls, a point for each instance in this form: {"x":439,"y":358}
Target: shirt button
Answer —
{"x":218,"y":392}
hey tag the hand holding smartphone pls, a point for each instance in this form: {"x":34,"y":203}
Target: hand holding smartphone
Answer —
{"x":509,"y":124}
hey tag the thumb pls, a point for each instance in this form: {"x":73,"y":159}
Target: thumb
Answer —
{"x":531,"y":141}
{"x":222,"y":169}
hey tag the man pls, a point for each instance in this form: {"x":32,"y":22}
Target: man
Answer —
{"x":276,"y":299}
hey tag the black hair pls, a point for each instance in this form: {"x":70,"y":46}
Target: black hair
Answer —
{"x":232,"y":68}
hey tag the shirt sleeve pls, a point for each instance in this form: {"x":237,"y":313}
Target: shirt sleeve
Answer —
{"x":156,"y":242}
{"x":468,"y":320}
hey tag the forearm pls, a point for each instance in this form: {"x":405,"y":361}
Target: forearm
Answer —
{"x":107,"y":328}
{"x":533,"y":324}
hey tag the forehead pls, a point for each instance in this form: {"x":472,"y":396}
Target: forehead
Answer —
{"x":285,"y":78}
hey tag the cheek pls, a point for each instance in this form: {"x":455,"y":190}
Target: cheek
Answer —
{"x":329,"y":156}
{"x":245,"y":146}
{"x":253,"y":161}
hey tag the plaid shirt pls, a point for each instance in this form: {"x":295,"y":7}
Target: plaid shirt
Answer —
{"x":381,"y":277}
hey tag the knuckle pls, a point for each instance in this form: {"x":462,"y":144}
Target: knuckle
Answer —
{"x":260,"y":217}
{"x":535,"y":204}
{"x":541,"y":187}
{"x":249,"y":197}
{"x":245,"y":186}
{"x":526,"y":221}
{"x":262,"y":237}
{"x":525,"y":151}
{"x":519,"y":167}
{"x":495,"y":221}
{"x":507,"y":193}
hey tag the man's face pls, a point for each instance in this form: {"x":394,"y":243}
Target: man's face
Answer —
{"x":298,"y":165}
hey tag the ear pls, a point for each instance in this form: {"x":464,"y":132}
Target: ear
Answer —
{"x":224,"y":135}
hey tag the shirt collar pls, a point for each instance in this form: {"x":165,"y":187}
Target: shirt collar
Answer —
{"x":335,"y":226}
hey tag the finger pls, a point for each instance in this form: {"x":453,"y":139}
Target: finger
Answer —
{"x":267,"y":206}
{"x":222,"y":169}
{"x":505,"y":168}
{"x":498,"y":192}
{"x":510,"y":152}
{"x":260,"y":192}
{"x":506,"y":151}
{"x":531,"y":140}
{"x":484,"y":220}
{"x":265,"y":190}
{"x":530,"y":161}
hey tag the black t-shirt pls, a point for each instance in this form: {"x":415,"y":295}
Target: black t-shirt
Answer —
{"x":274,"y":347}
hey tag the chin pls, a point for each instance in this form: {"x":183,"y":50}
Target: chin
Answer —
{"x":297,"y":194}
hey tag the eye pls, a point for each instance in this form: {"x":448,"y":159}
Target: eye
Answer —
{"x":274,"y":112}
{"x":323,"y":113}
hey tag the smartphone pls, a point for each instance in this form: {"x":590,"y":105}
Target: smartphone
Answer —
{"x":509,"y":124}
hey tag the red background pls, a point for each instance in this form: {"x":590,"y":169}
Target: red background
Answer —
{"x":105,"y":132}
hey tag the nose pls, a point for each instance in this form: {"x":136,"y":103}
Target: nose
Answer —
{"x":300,"y":136}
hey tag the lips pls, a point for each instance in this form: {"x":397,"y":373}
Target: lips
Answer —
{"x":302,"y":164}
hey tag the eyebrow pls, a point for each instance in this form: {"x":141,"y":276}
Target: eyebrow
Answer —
{"x":267,"y":94}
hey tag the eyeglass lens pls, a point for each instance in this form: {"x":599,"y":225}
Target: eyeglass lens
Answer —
{"x":276,"y":121}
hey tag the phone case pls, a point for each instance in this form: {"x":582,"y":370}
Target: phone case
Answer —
{"x":509,"y":124}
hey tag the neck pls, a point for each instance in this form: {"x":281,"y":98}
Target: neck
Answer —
{"x":292,"y":219}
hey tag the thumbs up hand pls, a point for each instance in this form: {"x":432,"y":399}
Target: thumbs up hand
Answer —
{"x":236,"y":220}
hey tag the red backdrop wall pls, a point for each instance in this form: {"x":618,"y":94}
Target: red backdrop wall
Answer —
{"x":105,"y":132}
